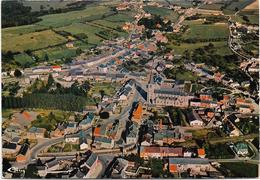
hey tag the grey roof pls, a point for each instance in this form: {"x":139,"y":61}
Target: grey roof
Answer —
{"x":52,"y":162}
{"x":169,"y":91}
{"x":9,"y":145}
{"x":16,"y":139}
{"x":102,"y":139}
{"x":188,"y":161}
{"x":24,"y":149}
{"x":92,"y":158}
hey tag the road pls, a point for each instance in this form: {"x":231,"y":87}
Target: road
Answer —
{"x":235,"y":160}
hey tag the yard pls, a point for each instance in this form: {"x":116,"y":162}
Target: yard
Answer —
{"x":108,"y":88}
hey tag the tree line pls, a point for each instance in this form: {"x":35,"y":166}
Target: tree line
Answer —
{"x":65,"y":102}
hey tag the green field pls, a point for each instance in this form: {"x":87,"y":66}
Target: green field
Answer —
{"x":65,"y":19}
{"x":35,"y":5}
{"x":198,"y":30}
{"x":33,"y":40}
{"x":19,"y":30}
{"x":23,"y":59}
{"x":157,"y":10}
{"x":89,"y":30}
{"x":221,"y":47}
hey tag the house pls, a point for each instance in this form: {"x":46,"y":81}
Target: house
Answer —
{"x":170,"y":136}
{"x":194,"y":119}
{"x":56,"y":68}
{"x":69,"y":45}
{"x":241,"y":148}
{"x":160,"y":152}
{"x":41,"y":69}
{"x":71,"y":128}
{"x":87,"y":122}
{"x":195,"y":166}
{"x":23,"y":153}
{"x":72,"y":138}
{"x":160,"y":96}
{"x":10,"y":149}
{"x":59,"y":131}
{"x":137,"y":114}
{"x":85,"y":139}
{"x":201,"y":153}
{"x":48,"y":166}
{"x":132,"y":137}
{"x":35,"y":133}
{"x":244,"y":109}
{"x":103,"y":142}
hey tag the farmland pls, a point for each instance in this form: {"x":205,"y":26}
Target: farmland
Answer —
{"x":204,"y":31}
{"x":65,"y":19}
{"x":221,"y":47}
{"x":157,"y":10}
{"x":97,"y":22}
{"x":33,"y":40}
{"x":36,"y":5}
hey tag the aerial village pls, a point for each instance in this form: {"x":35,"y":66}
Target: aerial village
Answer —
{"x":151,"y":126}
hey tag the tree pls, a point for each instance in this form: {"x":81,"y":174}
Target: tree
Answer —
{"x":102,"y":93}
{"x":78,"y":51}
{"x":156,"y":166}
{"x":46,"y":57}
{"x":104,"y":115}
{"x":17,"y":73}
{"x":50,"y":81}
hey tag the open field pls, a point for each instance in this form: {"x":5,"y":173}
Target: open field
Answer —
{"x":240,"y":4}
{"x":157,"y":10}
{"x":89,"y":30}
{"x":23,"y":59}
{"x":20,"y":30}
{"x":198,"y":30}
{"x":65,"y":19}
{"x":36,"y":5}
{"x":254,"y":5}
{"x":221,"y":47}
{"x":34,"y":40}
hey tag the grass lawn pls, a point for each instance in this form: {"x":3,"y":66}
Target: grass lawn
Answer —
{"x":65,"y":19}
{"x":34,"y":40}
{"x":186,"y":76}
{"x":70,"y":147}
{"x":221,"y":47}
{"x":23,"y":59}
{"x":89,"y":30}
{"x":241,"y":169}
{"x":157,"y":10}
{"x":197,"y":30}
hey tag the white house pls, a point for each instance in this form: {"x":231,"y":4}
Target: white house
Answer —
{"x":74,"y":139}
